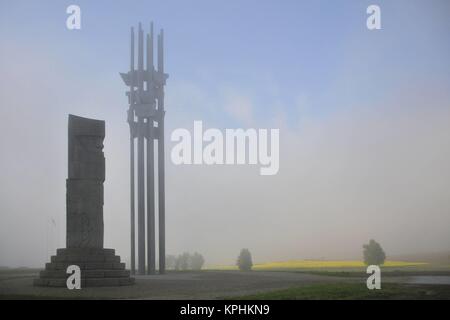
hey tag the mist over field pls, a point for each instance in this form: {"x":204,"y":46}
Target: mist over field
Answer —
{"x":364,"y":123}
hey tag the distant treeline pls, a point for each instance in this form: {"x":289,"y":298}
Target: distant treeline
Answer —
{"x":185,"y":261}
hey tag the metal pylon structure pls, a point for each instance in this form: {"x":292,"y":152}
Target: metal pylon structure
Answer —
{"x":146,"y":121}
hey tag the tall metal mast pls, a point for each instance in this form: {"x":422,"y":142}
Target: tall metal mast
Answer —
{"x":146,"y":109}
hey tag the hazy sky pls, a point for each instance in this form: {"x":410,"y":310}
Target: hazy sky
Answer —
{"x":364,"y":119}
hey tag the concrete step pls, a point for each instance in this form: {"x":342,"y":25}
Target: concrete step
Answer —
{"x":86,"y":265}
{"x":87,"y":282}
{"x":99,"y":267}
{"x":85,"y":258}
{"x":89,"y":251}
{"x":57,"y":274}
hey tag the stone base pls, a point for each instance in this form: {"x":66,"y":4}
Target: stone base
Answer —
{"x":99,"y":268}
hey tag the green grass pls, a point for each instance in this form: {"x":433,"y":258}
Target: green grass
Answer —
{"x":17,"y":273}
{"x":354,"y":291}
{"x":19,"y":270}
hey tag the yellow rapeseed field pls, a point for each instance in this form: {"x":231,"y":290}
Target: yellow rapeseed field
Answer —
{"x":319,"y":264}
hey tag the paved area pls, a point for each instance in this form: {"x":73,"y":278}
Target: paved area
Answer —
{"x":174,"y":285}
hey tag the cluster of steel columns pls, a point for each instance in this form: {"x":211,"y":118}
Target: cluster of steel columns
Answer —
{"x":146,"y":121}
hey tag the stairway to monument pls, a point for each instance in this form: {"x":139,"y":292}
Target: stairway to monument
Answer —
{"x":99,"y":267}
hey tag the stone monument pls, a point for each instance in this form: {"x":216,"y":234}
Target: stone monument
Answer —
{"x":145,"y":117}
{"x":84,"y":206}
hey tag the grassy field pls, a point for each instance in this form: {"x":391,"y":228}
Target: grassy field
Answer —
{"x":294,"y":265}
{"x":302,"y":283}
{"x":355,"y":291}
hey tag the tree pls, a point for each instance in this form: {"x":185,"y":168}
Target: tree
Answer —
{"x":373,"y":253}
{"x":171,"y":261}
{"x":183,"y":261}
{"x":197,"y":261}
{"x":244,"y":261}
{"x":177,"y":263}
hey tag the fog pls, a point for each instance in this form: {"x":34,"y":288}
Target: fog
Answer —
{"x":359,"y":174}
{"x":376,"y":166}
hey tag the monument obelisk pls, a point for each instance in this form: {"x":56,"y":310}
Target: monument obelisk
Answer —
{"x":84,"y":206}
{"x":146,"y":121}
